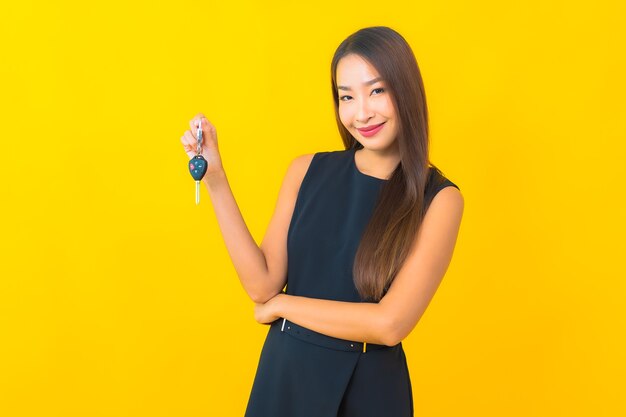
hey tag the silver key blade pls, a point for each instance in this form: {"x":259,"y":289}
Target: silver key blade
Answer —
{"x":197,"y":192}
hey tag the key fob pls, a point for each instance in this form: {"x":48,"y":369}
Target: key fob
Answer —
{"x":197,"y":167}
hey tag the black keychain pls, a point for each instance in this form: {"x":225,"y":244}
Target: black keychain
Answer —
{"x":197,"y":164}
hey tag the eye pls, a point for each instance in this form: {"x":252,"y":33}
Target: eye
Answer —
{"x":341,"y":98}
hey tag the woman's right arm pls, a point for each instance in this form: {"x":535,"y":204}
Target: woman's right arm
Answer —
{"x":262,"y":270}
{"x":247,"y":257}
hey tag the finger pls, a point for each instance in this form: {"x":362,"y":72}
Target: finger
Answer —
{"x":183,"y":140}
{"x":188,"y":149}
{"x":190,"y":152}
{"x":207,"y":127}
{"x":190,"y":144}
{"x":202,"y":123}
{"x":188,"y":139}
{"x":193,"y":123}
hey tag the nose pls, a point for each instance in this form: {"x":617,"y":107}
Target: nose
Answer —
{"x":364,"y":113}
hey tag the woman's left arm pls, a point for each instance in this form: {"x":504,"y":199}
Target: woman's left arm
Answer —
{"x":398,"y":312}
{"x":346,"y":320}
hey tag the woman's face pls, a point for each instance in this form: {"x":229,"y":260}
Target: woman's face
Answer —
{"x":363,"y":104}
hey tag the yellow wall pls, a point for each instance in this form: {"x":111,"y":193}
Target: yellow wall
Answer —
{"x":117,"y":296}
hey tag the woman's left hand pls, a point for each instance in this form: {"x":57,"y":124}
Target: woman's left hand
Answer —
{"x":266,"y":313}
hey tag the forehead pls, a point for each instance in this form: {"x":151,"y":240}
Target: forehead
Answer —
{"x":353,"y":68}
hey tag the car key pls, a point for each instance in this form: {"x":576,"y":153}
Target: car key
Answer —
{"x":197,"y":164}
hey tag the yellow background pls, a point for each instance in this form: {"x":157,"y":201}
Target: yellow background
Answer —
{"x":117,"y":296}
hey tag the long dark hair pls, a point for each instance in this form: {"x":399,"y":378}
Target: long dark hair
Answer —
{"x":401,"y":205}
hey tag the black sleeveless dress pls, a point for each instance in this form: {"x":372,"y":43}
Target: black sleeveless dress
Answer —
{"x":302,"y":373}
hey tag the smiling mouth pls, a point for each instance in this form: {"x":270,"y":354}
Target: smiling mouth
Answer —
{"x":369,"y":128}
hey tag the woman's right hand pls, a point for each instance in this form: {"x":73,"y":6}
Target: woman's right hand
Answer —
{"x":209,"y":149}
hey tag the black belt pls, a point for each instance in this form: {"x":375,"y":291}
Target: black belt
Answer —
{"x":320,"y":339}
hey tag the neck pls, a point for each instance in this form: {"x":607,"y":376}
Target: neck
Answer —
{"x":377,"y":163}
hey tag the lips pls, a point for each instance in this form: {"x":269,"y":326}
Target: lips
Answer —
{"x":369,"y":128}
{"x":371,"y":131}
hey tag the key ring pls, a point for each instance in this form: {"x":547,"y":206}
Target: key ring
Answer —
{"x":199,"y":135}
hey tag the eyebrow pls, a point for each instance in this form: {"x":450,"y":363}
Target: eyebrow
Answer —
{"x":370,"y":82}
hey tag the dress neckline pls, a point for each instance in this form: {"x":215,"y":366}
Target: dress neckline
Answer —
{"x":353,"y":161}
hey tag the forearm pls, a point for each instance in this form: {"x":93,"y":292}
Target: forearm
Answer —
{"x":360,"y":322}
{"x":248,"y":259}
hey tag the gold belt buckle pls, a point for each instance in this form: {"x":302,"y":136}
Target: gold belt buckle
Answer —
{"x":364,"y":346}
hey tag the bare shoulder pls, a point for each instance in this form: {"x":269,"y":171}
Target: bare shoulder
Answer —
{"x":447,"y":204}
{"x":451,"y":196}
{"x":302,"y":162}
{"x":298,"y":169}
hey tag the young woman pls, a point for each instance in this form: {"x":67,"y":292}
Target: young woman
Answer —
{"x":362,"y":237}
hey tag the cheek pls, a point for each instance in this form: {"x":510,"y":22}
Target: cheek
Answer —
{"x":389,"y":108}
{"x":344,"y":117}
{"x":395,"y":129}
